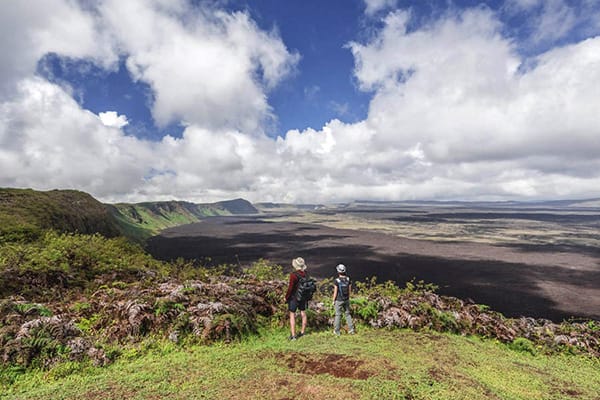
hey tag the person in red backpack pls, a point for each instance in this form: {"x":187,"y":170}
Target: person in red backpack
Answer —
{"x":292,"y":300}
{"x":341,"y":300}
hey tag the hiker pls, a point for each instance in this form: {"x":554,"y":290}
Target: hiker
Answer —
{"x":341,"y":300}
{"x":292,"y":300}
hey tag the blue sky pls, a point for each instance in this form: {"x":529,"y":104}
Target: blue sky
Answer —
{"x":322,"y":86}
{"x":302,"y":100}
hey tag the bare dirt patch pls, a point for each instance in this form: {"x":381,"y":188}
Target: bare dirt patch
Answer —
{"x":571,"y":393}
{"x":338,"y":365}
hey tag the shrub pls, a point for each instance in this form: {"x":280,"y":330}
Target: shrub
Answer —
{"x":163,"y":307}
{"x":523,"y":345}
{"x":29,"y":308}
{"x":364,"y":308}
{"x":446,"y":321}
{"x":9,"y":374}
{"x":80,"y":307}
{"x":265,"y":271}
{"x":88,"y":324}
{"x":63,"y":261}
{"x":419,"y":287}
{"x":370,"y":288}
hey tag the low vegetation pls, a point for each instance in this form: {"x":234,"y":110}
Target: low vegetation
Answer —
{"x":374,"y":364}
{"x":76,"y":302}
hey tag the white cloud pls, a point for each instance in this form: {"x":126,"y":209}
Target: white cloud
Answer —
{"x":27,"y":32}
{"x":47,"y":141}
{"x":464,"y":98}
{"x":452,"y":114}
{"x":211,"y":69}
{"x":550,"y":21}
{"x":112,"y":119}
{"x":375,"y":6}
{"x":555,"y":21}
{"x":208,"y":69}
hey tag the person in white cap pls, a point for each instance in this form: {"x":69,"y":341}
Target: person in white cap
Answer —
{"x":292,"y":300}
{"x":341,"y":300}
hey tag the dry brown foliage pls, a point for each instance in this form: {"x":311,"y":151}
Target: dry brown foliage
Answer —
{"x":225,"y":307}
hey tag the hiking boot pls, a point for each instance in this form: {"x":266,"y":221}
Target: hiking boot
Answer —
{"x":292,"y":337}
{"x":336,"y":333}
{"x":351,"y":332}
{"x":299,"y":335}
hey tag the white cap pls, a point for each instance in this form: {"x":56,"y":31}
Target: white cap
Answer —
{"x":341,"y":268}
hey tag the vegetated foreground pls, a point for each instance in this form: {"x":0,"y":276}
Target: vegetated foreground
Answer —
{"x":374,"y":364}
{"x":72,"y":304}
{"x":550,"y":282}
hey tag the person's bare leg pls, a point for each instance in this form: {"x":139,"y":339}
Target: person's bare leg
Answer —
{"x":303,"y":315}
{"x":293,"y":323}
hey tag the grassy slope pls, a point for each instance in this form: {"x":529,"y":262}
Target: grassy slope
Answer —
{"x":142,"y":220}
{"x":375,"y":364}
{"x":25,"y":212}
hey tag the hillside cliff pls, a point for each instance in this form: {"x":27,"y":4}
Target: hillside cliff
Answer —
{"x":24,"y":213}
{"x":142,"y":220}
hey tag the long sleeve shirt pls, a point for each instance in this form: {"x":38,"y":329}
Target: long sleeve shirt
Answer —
{"x":293,"y":285}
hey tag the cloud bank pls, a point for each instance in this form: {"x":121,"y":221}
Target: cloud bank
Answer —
{"x":456,"y":112}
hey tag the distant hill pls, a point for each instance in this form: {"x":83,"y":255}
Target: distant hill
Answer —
{"x":237,"y":206}
{"x":142,"y":220}
{"x":583,"y":203}
{"x":287,"y":207}
{"x":24,"y":213}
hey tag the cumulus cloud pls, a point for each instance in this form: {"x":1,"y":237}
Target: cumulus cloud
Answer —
{"x":208,"y":69}
{"x":455,"y":88}
{"x":29,"y":32}
{"x":113,"y":119}
{"x":454,"y":112}
{"x":211,"y":69}
{"x":47,"y":141}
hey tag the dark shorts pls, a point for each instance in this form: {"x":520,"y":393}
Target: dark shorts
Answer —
{"x":294,"y":305}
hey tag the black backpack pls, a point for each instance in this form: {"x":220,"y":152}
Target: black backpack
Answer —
{"x":306,"y":288}
{"x":343,"y":283}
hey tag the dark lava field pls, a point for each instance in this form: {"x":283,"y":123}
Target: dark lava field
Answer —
{"x":553,"y":282}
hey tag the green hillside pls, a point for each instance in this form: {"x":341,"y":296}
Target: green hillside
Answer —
{"x":25,"y":213}
{"x":142,"y":220}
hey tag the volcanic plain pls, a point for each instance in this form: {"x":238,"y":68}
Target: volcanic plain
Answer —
{"x":541,"y":262}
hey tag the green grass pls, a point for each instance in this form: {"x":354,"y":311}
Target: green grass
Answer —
{"x":374,"y":364}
